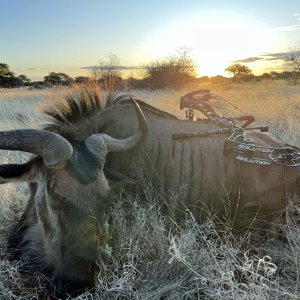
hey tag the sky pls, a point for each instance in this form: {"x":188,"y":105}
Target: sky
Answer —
{"x":41,"y":36}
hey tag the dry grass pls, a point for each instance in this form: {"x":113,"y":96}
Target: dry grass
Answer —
{"x":146,"y":255}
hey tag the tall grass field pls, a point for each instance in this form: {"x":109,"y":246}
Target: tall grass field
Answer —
{"x":147,"y":255}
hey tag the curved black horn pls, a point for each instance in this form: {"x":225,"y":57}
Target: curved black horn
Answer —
{"x":53,"y":148}
{"x":101,"y":144}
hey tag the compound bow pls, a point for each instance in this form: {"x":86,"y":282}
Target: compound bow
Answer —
{"x":242,"y":147}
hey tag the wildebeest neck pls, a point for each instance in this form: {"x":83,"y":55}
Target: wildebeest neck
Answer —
{"x":83,"y":164}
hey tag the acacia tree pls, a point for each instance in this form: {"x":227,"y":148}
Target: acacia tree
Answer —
{"x":5,"y":71}
{"x":7,"y":77}
{"x":58,"y":79}
{"x":238,"y":70}
{"x":24,"y":78}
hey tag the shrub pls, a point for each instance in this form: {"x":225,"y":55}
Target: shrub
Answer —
{"x":173,"y":71}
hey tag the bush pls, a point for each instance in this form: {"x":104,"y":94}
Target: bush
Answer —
{"x":173,"y":71}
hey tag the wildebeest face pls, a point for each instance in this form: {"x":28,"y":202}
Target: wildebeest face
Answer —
{"x":76,"y":202}
{"x":60,"y":226}
{"x":80,"y":181}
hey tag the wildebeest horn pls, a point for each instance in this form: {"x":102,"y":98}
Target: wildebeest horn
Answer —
{"x":53,"y":148}
{"x":101,"y":144}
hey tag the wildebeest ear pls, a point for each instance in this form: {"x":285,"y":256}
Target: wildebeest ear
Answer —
{"x":19,"y":172}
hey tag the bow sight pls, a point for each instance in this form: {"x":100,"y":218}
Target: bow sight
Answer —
{"x":238,"y":143}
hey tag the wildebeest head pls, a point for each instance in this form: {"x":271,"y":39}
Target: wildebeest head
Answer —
{"x":59,"y":228}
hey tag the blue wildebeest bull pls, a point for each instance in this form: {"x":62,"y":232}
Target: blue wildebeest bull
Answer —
{"x":69,"y":189}
{"x":59,"y":229}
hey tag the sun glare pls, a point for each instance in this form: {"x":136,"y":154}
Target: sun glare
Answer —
{"x":214,"y":42}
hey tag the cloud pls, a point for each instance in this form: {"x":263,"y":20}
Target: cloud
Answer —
{"x":296,"y":16}
{"x":267,"y":57}
{"x":248,"y":60}
{"x":36,"y":69}
{"x":120,"y":68}
{"x":274,"y":61}
{"x":276,"y":56}
{"x":287,"y":28}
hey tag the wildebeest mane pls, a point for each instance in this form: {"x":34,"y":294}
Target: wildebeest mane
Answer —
{"x":70,"y":113}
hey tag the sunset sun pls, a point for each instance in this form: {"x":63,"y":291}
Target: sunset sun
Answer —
{"x":214,"y":42}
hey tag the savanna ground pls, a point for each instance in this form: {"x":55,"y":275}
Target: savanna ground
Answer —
{"x":149,"y":256}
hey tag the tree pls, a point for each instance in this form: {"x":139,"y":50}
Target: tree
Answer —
{"x":81,"y":79}
{"x":295,"y":59}
{"x":7,"y":77}
{"x":107,"y":68}
{"x":238,"y":70}
{"x":266,"y":76}
{"x":5,"y":71}
{"x":274,"y":75}
{"x":24,"y":78}
{"x":53,"y":78}
{"x":173,"y":71}
{"x":58,"y":79}
{"x":107,"y":72}
{"x":15,"y":82}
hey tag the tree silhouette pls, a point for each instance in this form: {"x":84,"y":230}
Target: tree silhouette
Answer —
{"x":294,"y":58}
{"x":238,"y":70}
{"x":58,"y":79}
{"x":106,"y":68}
{"x":7,"y":77}
{"x":5,"y":71}
{"x":173,"y":71}
{"x":24,"y":78}
{"x":81,"y":79}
